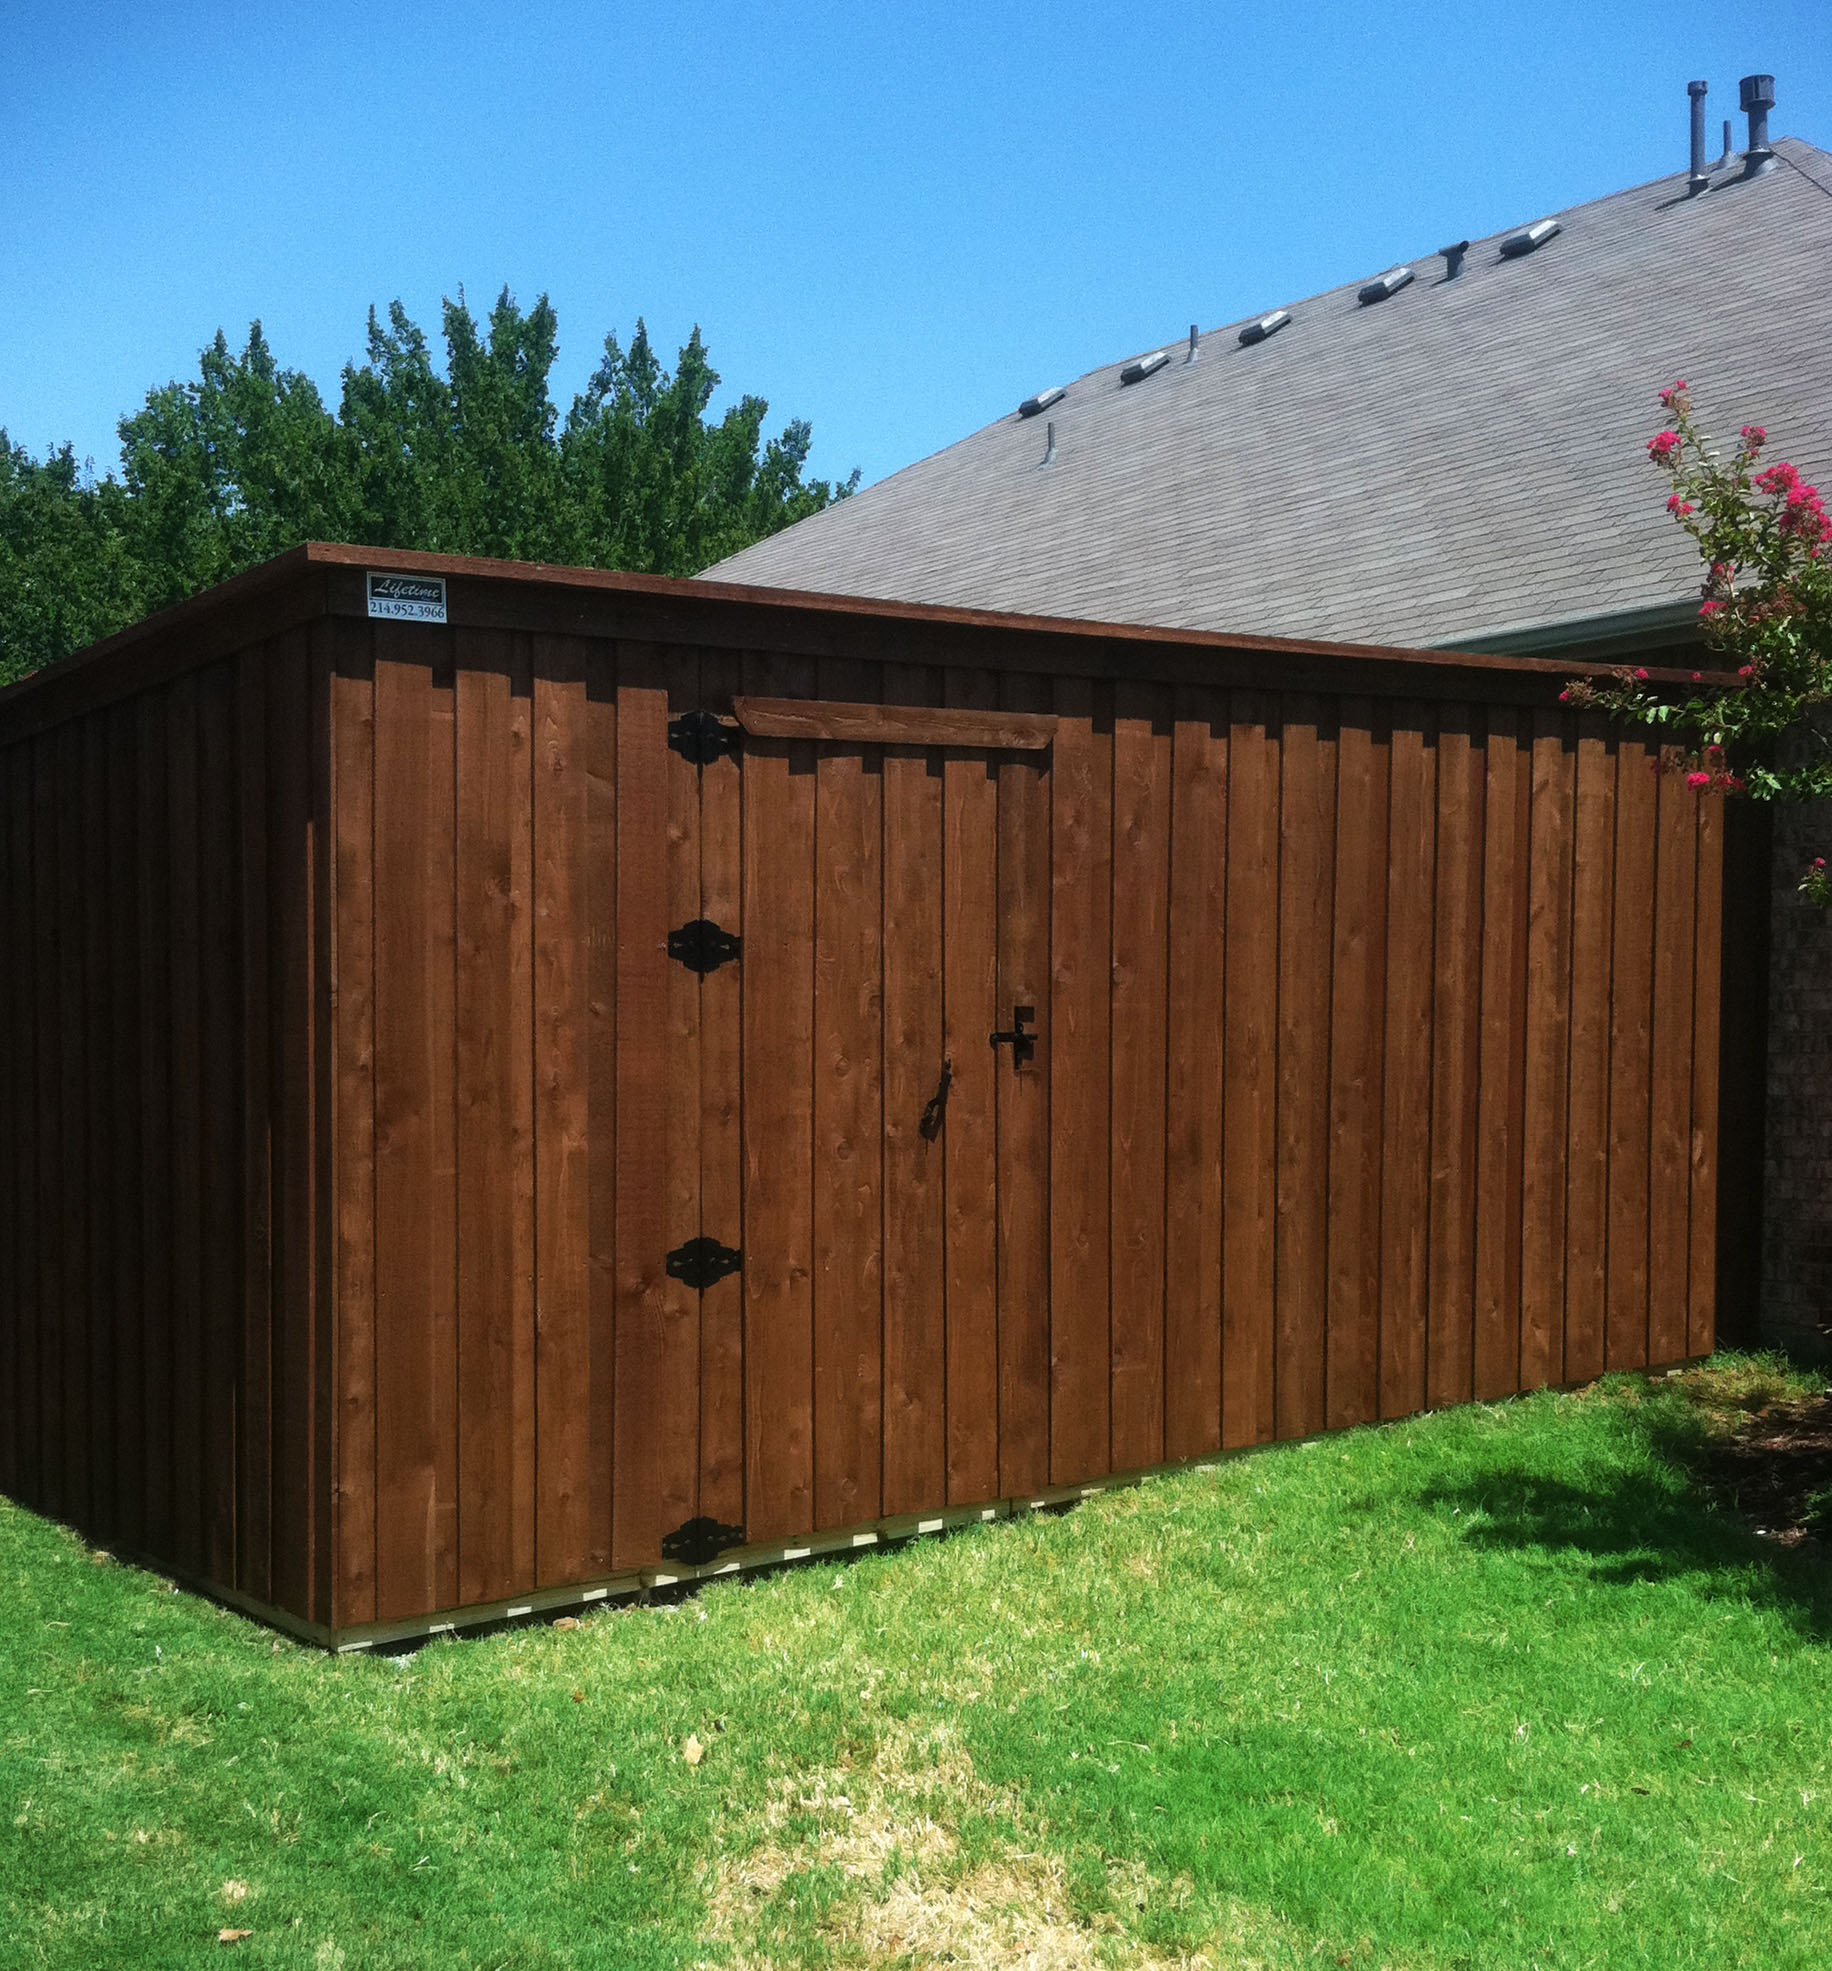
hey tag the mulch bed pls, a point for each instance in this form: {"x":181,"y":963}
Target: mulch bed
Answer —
{"x":1773,"y":1465}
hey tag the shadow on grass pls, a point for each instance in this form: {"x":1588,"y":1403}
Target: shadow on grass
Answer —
{"x":1643,"y":1522}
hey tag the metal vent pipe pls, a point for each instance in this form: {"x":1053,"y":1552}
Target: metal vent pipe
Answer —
{"x":1700,"y":176}
{"x":1756,"y":97}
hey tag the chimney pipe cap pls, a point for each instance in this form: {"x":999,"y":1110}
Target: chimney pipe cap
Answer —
{"x":1698,"y":90}
{"x":1756,"y":92}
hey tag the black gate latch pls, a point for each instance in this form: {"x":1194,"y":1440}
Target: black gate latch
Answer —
{"x":702,"y":946}
{"x":700,"y":736}
{"x":1023,"y":1045}
{"x":702,"y":1263}
{"x":701,"y":1540}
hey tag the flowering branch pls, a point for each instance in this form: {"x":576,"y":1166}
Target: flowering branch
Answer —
{"x":1766,"y":608}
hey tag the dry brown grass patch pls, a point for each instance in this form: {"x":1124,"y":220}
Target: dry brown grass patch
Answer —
{"x":911,"y":1896}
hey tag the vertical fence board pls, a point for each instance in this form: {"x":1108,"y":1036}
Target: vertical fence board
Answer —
{"x":601,"y":685}
{"x":779,"y":850}
{"x":254,"y":1473}
{"x":562,"y":1203}
{"x":100,"y":1447}
{"x":678,"y":1451}
{"x":219,"y":978}
{"x":1545,"y":1137}
{"x":968,"y":1123}
{"x":187,"y":1125}
{"x":851,"y":935}
{"x":1307,"y":890}
{"x":47,"y":1329}
{"x":1670,"y":1097}
{"x":1197,"y":972}
{"x":643,"y":1065}
{"x":1586,"y":1255}
{"x":12,"y":1137}
{"x":1080,"y":910}
{"x":153,"y":908}
{"x":915,"y":1308}
{"x":721,"y":1115}
{"x":494,"y":1065}
{"x":1631,"y":1030}
{"x":416,"y":1361}
{"x":1023,"y":1098}
{"x":1250,"y":1125}
{"x":1358,"y":1026}
{"x":352,"y":1041}
{"x":1140,"y":966}
{"x":123,"y":978}
{"x":1708,"y":931}
{"x":1456,"y":1043}
{"x":1405,"y":1196}
{"x":1498,"y":1154}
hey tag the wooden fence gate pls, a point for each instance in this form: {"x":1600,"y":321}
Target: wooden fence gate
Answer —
{"x":857,"y":1279}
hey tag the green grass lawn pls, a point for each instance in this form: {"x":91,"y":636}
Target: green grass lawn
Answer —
{"x":1496,"y":1687}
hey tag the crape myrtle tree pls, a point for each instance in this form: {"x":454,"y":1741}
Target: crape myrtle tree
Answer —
{"x":468,"y":457}
{"x":1756,"y":724}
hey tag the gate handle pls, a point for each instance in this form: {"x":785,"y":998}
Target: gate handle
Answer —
{"x":1023,"y":1045}
{"x":930,"y":1125}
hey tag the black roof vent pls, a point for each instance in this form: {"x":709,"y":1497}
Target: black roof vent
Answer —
{"x":1042,"y":401}
{"x":1257,"y":331}
{"x":1530,"y":237}
{"x":1145,"y":366}
{"x":1756,"y":97}
{"x":1453,"y":258}
{"x":1390,"y":282}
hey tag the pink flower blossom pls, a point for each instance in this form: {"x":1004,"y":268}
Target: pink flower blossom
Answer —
{"x":1711,"y":606}
{"x":1642,"y":672}
{"x":1662,"y":447}
{"x":1754,"y":437}
{"x":1698,"y":676}
{"x":1782,"y":478}
{"x":1698,"y":780}
{"x":1748,"y":671}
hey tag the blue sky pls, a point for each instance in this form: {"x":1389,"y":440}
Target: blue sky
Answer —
{"x":892,"y":220}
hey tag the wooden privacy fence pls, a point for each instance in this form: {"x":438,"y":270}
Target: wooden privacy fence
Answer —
{"x":636,"y":1071}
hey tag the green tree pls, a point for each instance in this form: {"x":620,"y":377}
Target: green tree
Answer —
{"x":247,"y":460}
{"x":68,"y":571}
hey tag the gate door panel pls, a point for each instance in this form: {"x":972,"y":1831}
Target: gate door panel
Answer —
{"x":895,"y":899}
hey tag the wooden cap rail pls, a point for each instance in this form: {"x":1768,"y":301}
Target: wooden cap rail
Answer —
{"x":894,"y":725}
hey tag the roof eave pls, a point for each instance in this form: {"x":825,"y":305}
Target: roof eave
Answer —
{"x":1591,"y":635}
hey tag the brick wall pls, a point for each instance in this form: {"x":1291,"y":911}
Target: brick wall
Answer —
{"x":1797,"y":1163}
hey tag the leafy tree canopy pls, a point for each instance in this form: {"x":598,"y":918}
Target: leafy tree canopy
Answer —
{"x":247,"y":460}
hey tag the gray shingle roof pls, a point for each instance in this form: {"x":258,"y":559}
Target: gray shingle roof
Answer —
{"x":1463,"y":458}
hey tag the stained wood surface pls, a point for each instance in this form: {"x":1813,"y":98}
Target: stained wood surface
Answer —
{"x":1378,"y":1066}
{"x":847,"y":1171}
{"x":1306,"y":924}
{"x":1196,"y":975}
{"x":893,"y":724}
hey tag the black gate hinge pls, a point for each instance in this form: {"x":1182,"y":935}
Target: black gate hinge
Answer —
{"x":701,"y":1540}
{"x":702,"y":736}
{"x":702,"y":946}
{"x":702,"y":1263}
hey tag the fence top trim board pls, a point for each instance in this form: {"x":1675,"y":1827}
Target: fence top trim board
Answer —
{"x":325,"y":579}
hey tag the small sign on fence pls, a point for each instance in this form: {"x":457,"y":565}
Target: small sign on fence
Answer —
{"x":412,"y":598}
